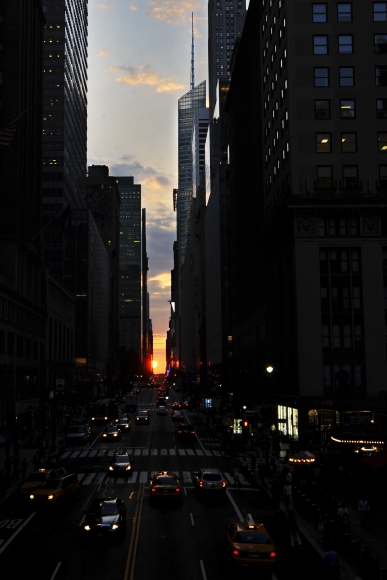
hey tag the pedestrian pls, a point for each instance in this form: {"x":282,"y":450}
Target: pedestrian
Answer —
{"x":343,"y":517}
{"x":364,"y":511}
{"x":287,"y":491}
{"x":289,"y":477}
{"x":24,"y":469}
{"x":295,"y":539}
{"x":321,"y":529}
{"x":331,"y":563}
{"x":236,"y":475}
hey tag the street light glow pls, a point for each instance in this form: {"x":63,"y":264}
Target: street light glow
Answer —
{"x":269,"y":369}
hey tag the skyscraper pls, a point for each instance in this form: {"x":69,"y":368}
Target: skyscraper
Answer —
{"x":194,"y":99}
{"x":130,"y":264}
{"x":64,"y":103}
{"x":225,"y":24}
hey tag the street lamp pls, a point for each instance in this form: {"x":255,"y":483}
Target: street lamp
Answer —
{"x":269,"y":369}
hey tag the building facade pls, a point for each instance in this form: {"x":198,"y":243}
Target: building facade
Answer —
{"x":22,"y":317}
{"x":315,"y":311}
{"x":130,"y":264}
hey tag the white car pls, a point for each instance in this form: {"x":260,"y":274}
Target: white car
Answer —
{"x":210,"y":479}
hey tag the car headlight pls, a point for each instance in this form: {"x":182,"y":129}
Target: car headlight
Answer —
{"x":104,"y":435}
{"x":110,"y":468}
{"x":32,"y":496}
{"x":50,"y":497}
{"x":115,"y":434}
{"x":128,"y":467}
{"x":86,"y":528}
{"x":115,"y":526}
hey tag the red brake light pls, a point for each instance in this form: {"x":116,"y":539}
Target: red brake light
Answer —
{"x":177,"y":490}
{"x":236,"y":552}
{"x":200,"y":484}
{"x":153,"y":489}
{"x":272,"y":555}
{"x":224,"y":484}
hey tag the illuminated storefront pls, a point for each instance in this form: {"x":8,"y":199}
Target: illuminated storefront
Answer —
{"x":288,"y":421}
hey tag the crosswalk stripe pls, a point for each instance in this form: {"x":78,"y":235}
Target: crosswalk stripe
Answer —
{"x":187,"y":477}
{"x":145,"y":451}
{"x":207,"y":452}
{"x":74,"y":454}
{"x":181,"y":451}
{"x":172,"y":452}
{"x":93,"y":453}
{"x":65,"y":455}
{"x":81,"y":476}
{"x":228,"y":477}
{"x":137,"y":452}
{"x":111,"y":452}
{"x":100,"y":478}
{"x":84,"y":453}
{"x":133,"y":477}
{"x":153,"y":451}
{"x":217,"y":453}
{"x":190,"y":452}
{"x":89,"y":478}
{"x":102,"y":452}
{"x":199,"y":452}
{"x":143,"y":477}
{"x":163,"y":452}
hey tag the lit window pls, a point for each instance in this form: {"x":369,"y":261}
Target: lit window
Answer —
{"x":347,"y":109}
{"x":348,"y":142}
{"x":380,"y":11}
{"x":319,"y":12}
{"x":320,"y":45}
{"x":323,"y":142}
{"x":345,"y":44}
{"x":344,"y":12}
{"x":382,"y":142}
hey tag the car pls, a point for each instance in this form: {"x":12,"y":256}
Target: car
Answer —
{"x":250,"y":544}
{"x":111,"y":432}
{"x":124,"y":416}
{"x":78,"y":434}
{"x":105,"y":517}
{"x":57,"y":490}
{"x":161,"y":401}
{"x":36,"y":478}
{"x":124,"y":424}
{"x":209,"y":479}
{"x":142,"y":417}
{"x":121,"y":462}
{"x":186,"y":432}
{"x":185,"y":404}
{"x":177,"y":416}
{"x":165,"y":485}
{"x":162,"y":410}
{"x":176,"y":406}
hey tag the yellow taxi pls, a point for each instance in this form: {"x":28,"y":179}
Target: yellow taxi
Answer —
{"x":56,"y":490}
{"x":35,"y":479}
{"x":250,"y":544}
{"x":165,"y":485}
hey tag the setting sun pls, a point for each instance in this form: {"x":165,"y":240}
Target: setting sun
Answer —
{"x":154,"y":364}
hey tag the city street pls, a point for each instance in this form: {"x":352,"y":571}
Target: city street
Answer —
{"x":165,"y":541}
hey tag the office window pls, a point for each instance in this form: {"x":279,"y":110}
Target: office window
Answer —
{"x":348,"y":142}
{"x":347,"y":76}
{"x":347,"y":109}
{"x":321,"y":77}
{"x":380,"y":11}
{"x":350,"y":176}
{"x":319,"y":12}
{"x":380,"y":42}
{"x":323,"y":142}
{"x":381,"y":76}
{"x":382,"y":142}
{"x":381,"y":108}
{"x":344,"y":12}
{"x":322,"y":109}
{"x":324,"y":177}
{"x":345,"y":42}
{"x":383,"y":176}
{"x":320,"y":45}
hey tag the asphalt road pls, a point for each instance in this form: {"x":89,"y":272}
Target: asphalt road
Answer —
{"x":162,"y":541}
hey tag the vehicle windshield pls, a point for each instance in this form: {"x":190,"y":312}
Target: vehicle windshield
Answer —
{"x":142,"y":413}
{"x":36,"y":477}
{"x":52,"y":484}
{"x":212,"y":477}
{"x":122,"y":421}
{"x":76,"y":430}
{"x":112,"y":429}
{"x":252,"y":538}
{"x":165,"y":480}
{"x":104,"y":508}
{"x":121,"y":458}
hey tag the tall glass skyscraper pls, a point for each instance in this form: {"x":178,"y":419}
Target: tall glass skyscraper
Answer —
{"x":194,"y":99}
{"x":64,"y":103}
{"x":130,"y":264}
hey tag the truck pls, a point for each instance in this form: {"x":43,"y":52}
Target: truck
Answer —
{"x":130,"y":402}
{"x":100,"y":412}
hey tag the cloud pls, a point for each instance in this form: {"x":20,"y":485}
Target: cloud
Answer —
{"x":145,"y":75}
{"x":133,"y":7}
{"x":104,"y":52}
{"x":174,"y":11}
{"x":103,"y":6}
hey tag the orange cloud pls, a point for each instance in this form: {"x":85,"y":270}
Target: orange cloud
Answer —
{"x":103,"y":6}
{"x":145,"y":75}
{"x":104,"y":52}
{"x":174,"y":11}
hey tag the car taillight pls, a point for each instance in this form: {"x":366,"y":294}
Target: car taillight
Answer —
{"x":179,"y":431}
{"x":272,"y":555}
{"x":177,"y":490}
{"x":200,"y":484}
{"x":224,"y":484}
{"x":153,"y":489}
{"x":236,"y":552}
{"x":192,"y":432}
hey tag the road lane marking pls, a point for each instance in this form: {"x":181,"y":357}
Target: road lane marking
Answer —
{"x":131,"y":559}
{"x":238,"y":512}
{"x":55,"y":571}
{"x":203,"y":570}
{"x":192,"y":520}
{"x":16,"y":533}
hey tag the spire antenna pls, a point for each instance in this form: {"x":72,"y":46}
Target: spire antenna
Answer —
{"x":192,"y":58}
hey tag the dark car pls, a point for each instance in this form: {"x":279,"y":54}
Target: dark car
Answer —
{"x":165,"y":485}
{"x":186,"y":432}
{"x":177,"y":416}
{"x":161,"y":401}
{"x":106,"y":517}
{"x":124,"y":424}
{"x":121,"y":463}
{"x":142,"y":417}
{"x":176,"y":406}
{"x":111,"y":433}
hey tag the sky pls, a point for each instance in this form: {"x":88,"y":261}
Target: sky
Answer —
{"x":139,"y":65}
